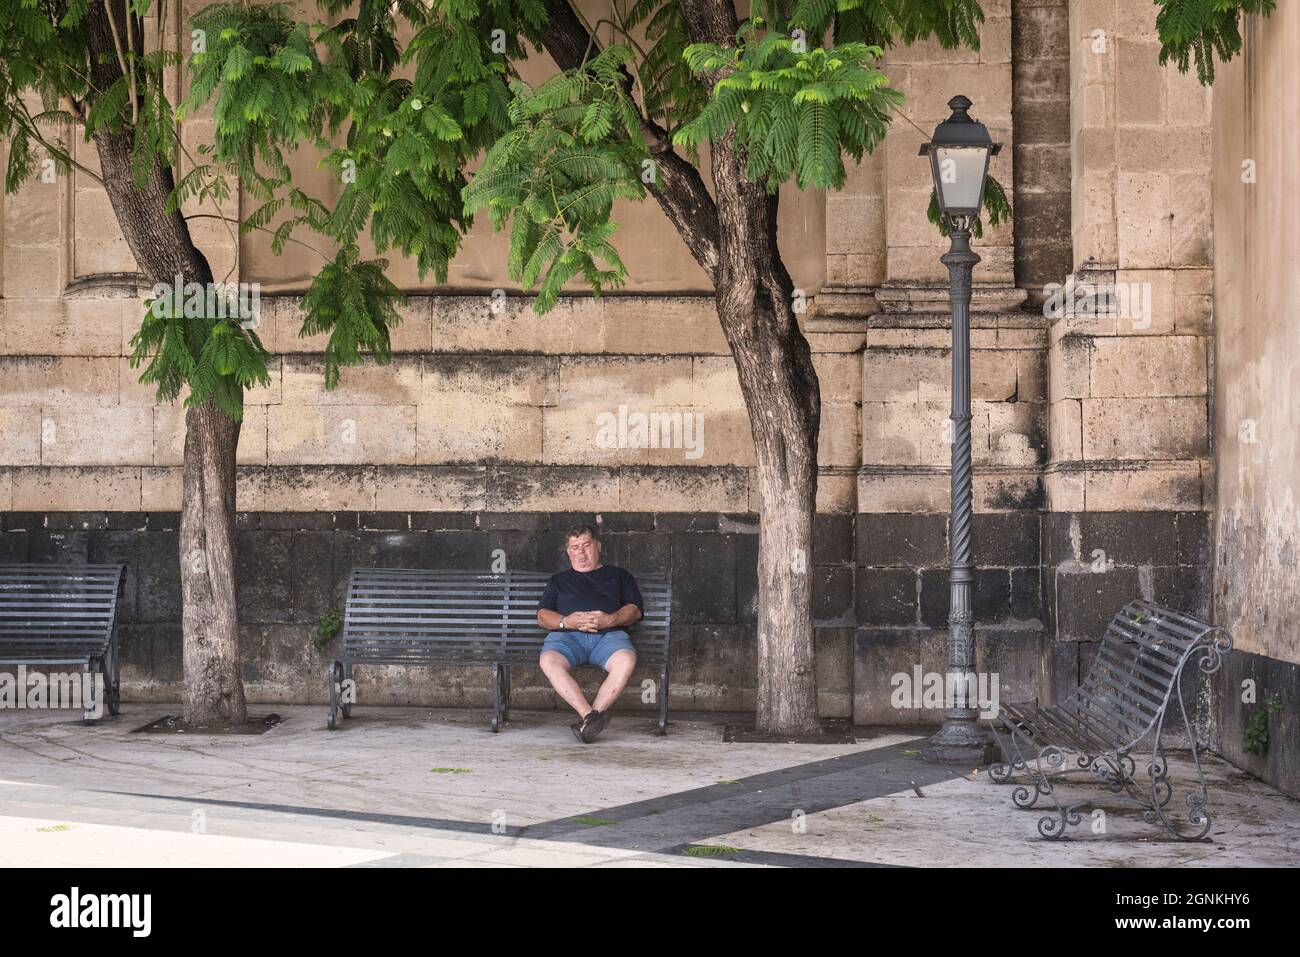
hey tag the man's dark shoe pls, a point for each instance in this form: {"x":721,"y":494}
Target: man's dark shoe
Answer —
{"x":591,"y":726}
{"x":576,"y":728}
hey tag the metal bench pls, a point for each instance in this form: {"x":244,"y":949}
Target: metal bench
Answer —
{"x":397,"y":616}
{"x":1122,"y":705}
{"x":63,"y":615}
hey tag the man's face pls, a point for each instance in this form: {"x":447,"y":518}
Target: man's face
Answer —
{"x":584,"y":553}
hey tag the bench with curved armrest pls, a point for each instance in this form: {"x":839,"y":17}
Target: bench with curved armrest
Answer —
{"x":1121,"y":709}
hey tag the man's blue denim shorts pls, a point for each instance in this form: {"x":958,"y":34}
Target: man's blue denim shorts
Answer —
{"x":588,"y":648}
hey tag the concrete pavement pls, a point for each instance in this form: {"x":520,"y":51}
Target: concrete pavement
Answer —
{"x":420,"y":787}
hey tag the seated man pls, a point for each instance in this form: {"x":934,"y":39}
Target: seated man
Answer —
{"x":587,"y":610}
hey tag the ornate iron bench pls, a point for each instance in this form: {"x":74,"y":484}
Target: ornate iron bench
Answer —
{"x":63,"y":615}
{"x":397,"y":616}
{"x":1122,"y":704}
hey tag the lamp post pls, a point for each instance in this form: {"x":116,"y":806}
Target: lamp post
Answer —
{"x":959,"y":161}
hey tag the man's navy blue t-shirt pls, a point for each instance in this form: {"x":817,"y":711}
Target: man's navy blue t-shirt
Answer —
{"x":607,"y":588}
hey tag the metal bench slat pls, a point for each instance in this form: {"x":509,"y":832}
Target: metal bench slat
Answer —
{"x":1122,"y":679}
{"x":1083,"y":716}
{"x":1101,"y":702}
{"x":1112,"y":709}
{"x":1163,"y":622}
{"x":1057,"y":724}
{"x":1158,"y":682}
{"x":1119,"y":709}
{"x":1148,"y":631}
{"x":47,"y":610}
{"x":1040,"y":723}
{"x":1154,"y":659}
{"x":1123,"y":668}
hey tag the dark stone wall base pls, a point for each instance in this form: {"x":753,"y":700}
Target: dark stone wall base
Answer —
{"x":293,"y":568}
{"x":1281,"y":765}
{"x":1046,"y":585}
{"x":885,"y":686}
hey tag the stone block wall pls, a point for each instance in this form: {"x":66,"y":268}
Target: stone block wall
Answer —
{"x":1041,"y":114}
{"x":1129,"y":468}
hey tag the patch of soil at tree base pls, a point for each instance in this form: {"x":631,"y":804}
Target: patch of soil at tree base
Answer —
{"x":833,"y":732}
{"x":172,"y":724}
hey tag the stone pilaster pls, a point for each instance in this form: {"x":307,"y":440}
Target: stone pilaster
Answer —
{"x":1130,"y":363}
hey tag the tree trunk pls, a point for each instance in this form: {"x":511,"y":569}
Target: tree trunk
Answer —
{"x":214,"y":691}
{"x":755,"y":301}
{"x":163,"y":250}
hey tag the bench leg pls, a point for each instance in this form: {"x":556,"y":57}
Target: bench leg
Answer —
{"x":89,"y":671}
{"x":1116,"y":772}
{"x":345,"y":699}
{"x":663,"y":699}
{"x":1049,"y":760}
{"x":505,"y":693}
{"x":336,"y":690}
{"x":1198,"y":821}
{"x":1001,"y":771}
{"x":112,"y":676}
{"x":1053,"y":827}
{"x":496,"y":698}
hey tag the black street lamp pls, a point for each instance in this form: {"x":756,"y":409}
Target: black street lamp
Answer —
{"x":959,"y":160}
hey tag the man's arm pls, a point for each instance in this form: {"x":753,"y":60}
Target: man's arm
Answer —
{"x":588,"y":620}
{"x":551,"y":620}
{"x":548,"y":615}
{"x":600,"y":620}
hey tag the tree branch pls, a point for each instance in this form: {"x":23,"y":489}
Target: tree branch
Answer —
{"x":33,"y":132}
{"x":130,"y":52}
{"x":678,"y":186}
{"x":263,"y":229}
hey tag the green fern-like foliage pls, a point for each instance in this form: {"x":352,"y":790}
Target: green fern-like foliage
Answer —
{"x":268,"y":87}
{"x":888,"y":22}
{"x":802,"y":86}
{"x":672,"y":94}
{"x":795,"y":110}
{"x":355,"y":303}
{"x":573,"y":148}
{"x":996,"y":209}
{"x":1201,"y":30}
{"x":397,"y":125}
{"x":42,"y":52}
{"x":180,"y":346}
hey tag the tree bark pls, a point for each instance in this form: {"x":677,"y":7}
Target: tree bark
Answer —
{"x":163,"y":250}
{"x":755,"y":301}
{"x":214,"y":690}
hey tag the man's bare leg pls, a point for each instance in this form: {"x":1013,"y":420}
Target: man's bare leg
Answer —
{"x":619,"y":667}
{"x":558,"y":671}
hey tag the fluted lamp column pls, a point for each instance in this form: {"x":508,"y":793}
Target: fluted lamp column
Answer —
{"x":959,"y":156}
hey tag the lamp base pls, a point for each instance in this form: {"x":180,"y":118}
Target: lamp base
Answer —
{"x":961,"y":743}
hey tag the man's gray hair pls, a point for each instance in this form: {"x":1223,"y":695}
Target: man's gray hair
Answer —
{"x":577,"y":531}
